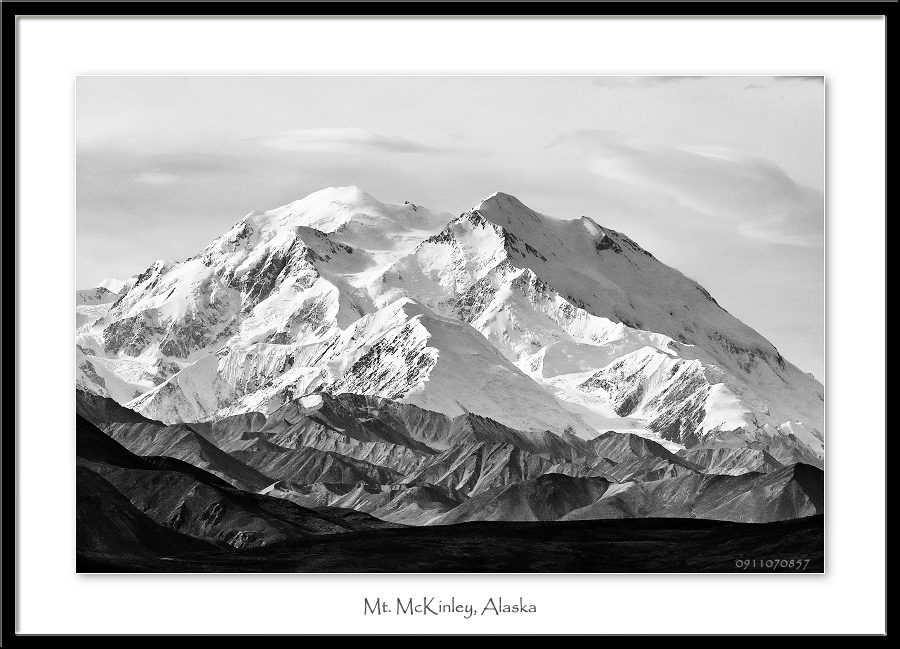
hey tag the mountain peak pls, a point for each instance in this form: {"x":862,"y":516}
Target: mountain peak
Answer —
{"x":507,"y":211}
{"x":500,"y":196}
{"x":592,"y":226}
{"x":350,"y":194}
{"x":348,"y":199}
{"x":501,"y":200}
{"x":356,"y":216}
{"x":325,"y":210}
{"x":112,"y":284}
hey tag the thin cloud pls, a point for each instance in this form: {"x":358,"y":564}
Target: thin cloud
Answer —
{"x":819,"y":79}
{"x":614,"y":83}
{"x":155,"y":177}
{"x":755,"y":194}
{"x":344,"y":140}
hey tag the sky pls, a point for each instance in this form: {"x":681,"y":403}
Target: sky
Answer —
{"x":719,"y":177}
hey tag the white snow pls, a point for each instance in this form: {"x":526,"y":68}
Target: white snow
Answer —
{"x":111,"y":284}
{"x":311,"y":401}
{"x":541,"y":324}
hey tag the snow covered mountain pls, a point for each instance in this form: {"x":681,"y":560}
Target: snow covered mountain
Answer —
{"x":538,"y":324}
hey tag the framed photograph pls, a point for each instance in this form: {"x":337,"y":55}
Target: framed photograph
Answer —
{"x":443,"y":344}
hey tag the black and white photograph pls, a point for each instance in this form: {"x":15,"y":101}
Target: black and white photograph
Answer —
{"x":446,"y":325}
{"x":450,"y":324}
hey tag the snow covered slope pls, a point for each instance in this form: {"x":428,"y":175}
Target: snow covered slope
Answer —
{"x":624,"y":341}
{"x":537,"y":323}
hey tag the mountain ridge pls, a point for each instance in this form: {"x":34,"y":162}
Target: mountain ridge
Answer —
{"x":572,"y":318}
